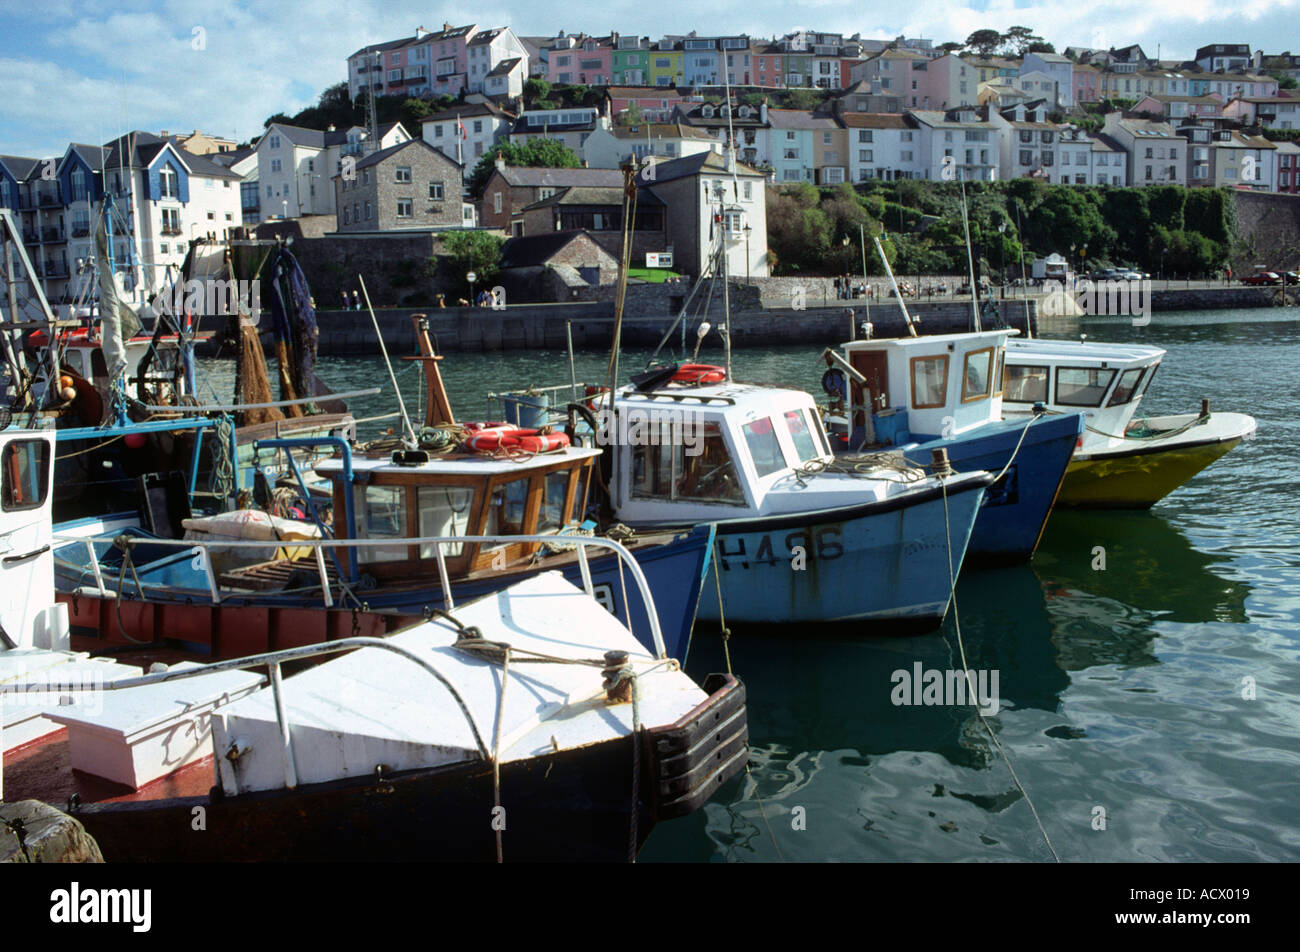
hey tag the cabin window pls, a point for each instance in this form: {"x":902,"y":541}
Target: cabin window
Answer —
{"x":1025,"y":384}
{"x":381,"y":512}
{"x":1127,"y":386}
{"x":444,"y":511}
{"x":555,"y":493}
{"x":26,"y":479}
{"x":1082,"y":386}
{"x":1146,"y":383}
{"x":805,"y":446}
{"x":929,"y":381}
{"x":998,"y":378}
{"x":692,"y":463}
{"x":75,"y":362}
{"x":977,"y":377}
{"x":764,"y":447}
{"x":506,"y":508}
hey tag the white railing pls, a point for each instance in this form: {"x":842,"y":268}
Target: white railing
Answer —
{"x":199,"y":549}
{"x":273,"y":660}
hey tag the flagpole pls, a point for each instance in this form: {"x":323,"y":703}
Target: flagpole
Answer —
{"x":460,"y":138}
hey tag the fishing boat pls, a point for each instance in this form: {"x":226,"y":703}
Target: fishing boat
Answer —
{"x":919,"y":394}
{"x":1121,"y":461}
{"x":801,"y":535}
{"x":528,"y":725}
{"x":523,"y":493}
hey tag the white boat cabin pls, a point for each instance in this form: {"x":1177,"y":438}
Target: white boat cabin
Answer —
{"x":1104,"y":381}
{"x":26,"y":559}
{"x":924,"y":388}
{"x":687,"y":455}
{"x":455,"y":494}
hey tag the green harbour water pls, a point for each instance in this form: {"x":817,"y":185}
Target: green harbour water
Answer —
{"x":1120,"y":689}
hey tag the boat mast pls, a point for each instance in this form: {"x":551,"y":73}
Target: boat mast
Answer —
{"x":880,"y":250}
{"x":970,"y":258}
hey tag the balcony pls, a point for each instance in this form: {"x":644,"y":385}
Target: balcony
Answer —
{"x":52,"y":234}
{"x":171,"y":230}
{"x":55,"y":269}
{"x":80,"y":230}
{"x":49,"y":199}
{"x":30,"y":237}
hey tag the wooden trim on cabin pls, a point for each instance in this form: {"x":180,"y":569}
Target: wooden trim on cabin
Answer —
{"x":943,"y":388}
{"x":988,"y":378}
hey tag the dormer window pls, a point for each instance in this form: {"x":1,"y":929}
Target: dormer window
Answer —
{"x":743,"y":112}
{"x":707,"y":112}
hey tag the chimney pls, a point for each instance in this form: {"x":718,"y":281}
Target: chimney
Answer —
{"x":501,"y":163}
{"x":164,"y":134}
{"x":762,"y":111}
{"x":331,"y":127}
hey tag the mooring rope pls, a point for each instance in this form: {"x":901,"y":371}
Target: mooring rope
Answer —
{"x":970,"y":682}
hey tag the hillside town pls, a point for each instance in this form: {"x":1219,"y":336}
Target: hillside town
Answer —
{"x":556,"y":117}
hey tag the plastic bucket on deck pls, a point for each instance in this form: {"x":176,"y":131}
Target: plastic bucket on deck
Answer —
{"x":527,"y":410}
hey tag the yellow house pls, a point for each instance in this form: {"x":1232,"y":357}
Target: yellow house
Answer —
{"x":666,"y":67}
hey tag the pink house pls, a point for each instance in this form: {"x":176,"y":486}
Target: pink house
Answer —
{"x":1180,"y":107}
{"x":655,"y":102}
{"x":447,"y":58}
{"x":768,"y":66}
{"x":1085,"y":84}
{"x":588,"y":61}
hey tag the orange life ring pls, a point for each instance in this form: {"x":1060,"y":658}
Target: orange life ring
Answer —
{"x":541,"y":443}
{"x":700,"y":373}
{"x":489,"y":437}
{"x":510,"y":437}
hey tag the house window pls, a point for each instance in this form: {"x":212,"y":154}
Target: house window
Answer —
{"x":864,"y":155}
{"x":167,"y":182}
{"x":496,"y":203}
{"x":437,"y":132}
{"x":826,"y":138}
{"x":367,"y":211}
{"x":864,"y":135}
{"x":435,"y":191}
{"x":403,"y":208}
{"x":403,"y":173}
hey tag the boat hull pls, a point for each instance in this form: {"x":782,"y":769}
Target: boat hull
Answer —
{"x":1137,"y":474}
{"x":1017,"y":506}
{"x":180,"y":607}
{"x":570,"y":805}
{"x":884,"y":563}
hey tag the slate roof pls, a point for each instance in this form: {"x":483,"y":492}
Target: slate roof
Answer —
{"x":519,"y":176}
{"x":535,"y":250}
{"x":374,"y":158}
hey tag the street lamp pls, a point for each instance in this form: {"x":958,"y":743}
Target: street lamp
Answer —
{"x":471,"y":277}
{"x":1002,"y":245}
{"x":748,"y":231}
{"x":1163,"y":252}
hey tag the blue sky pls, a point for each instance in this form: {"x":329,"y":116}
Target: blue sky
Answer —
{"x":77,"y":71}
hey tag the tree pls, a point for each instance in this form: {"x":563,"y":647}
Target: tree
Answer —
{"x":466,"y":251}
{"x":951,"y":47}
{"x":631,"y":116}
{"x":805,"y":99}
{"x":535,"y":153}
{"x":1018,"y":39}
{"x":1040,"y":47}
{"x":984,"y":42}
{"x":535,"y":89}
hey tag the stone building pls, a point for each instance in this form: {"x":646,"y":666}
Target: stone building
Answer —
{"x":404,"y":187}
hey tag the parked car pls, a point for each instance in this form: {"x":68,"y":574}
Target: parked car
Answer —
{"x":1290,"y":277}
{"x":1263,"y":277}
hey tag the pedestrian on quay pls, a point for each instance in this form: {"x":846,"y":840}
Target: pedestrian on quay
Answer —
{"x":838,"y":295}
{"x":442,"y":300}
{"x":345,"y":299}
{"x":356,"y":301}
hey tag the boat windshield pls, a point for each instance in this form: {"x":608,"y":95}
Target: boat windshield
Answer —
{"x":801,"y":434}
{"x":1082,"y":386}
{"x":1127,"y":387}
{"x":381,"y":514}
{"x":764,"y":447}
{"x":444,"y":511}
{"x":978,"y":376}
{"x":691,"y":463}
{"x":1025,"y":384}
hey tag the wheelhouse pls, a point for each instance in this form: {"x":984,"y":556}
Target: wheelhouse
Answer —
{"x":459,"y":494}
{"x":710,"y":453}
{"x":1104,"y":381}
{"x":922,"y":388}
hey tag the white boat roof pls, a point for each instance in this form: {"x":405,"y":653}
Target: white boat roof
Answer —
{"x":932,"y":341}
{"x":1080,"y":352}
{"x":717,"y":401}
{"x":375,"y":707}
{"x":460,"y":463}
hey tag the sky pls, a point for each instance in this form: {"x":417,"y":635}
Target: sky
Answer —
{"x":85,"y":72}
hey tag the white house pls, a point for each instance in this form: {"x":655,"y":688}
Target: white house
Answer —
{"x":465,"y":132}
{"x":956,"y":144}
{"x":611,"y":148}
{"x":1028,"y":145}
{"x":882,"y":146}
{"x":296,"y":166}
{"x":1156,"y":154}
{"x":487,"y":50}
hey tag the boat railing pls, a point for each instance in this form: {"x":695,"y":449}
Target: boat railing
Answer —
{"x":272,"y":660}
{"x":200,"y":550}
{"x":577,"y":392}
